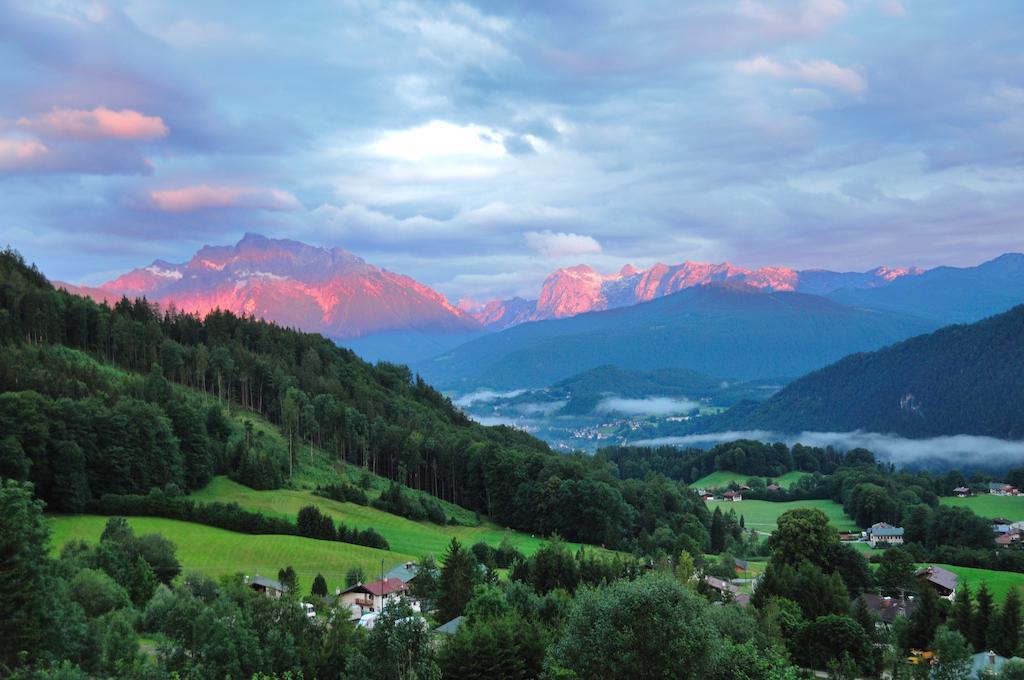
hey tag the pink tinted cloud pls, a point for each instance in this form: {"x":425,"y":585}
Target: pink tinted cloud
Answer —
{"x":204,"y":196}
{"x":814,"y":72}
{"x":99,"y":123}
{"x":20,"y":153}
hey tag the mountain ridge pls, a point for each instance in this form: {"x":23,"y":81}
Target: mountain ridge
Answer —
{"x":329,"y":291}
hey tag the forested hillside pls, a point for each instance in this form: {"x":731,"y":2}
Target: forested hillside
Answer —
{"x":121,"y":399}
{"x":965,"y":379}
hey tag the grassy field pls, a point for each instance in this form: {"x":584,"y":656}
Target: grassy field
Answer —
{"x":217,"y":552}
{"x":764,"y":515}
{"x":999,"y":582}
{"x":987,"y":505}
{"x":723,"y":478}
{"x":404,"y":535}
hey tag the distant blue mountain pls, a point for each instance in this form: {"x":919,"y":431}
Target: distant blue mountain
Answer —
{"x":728,"y":330}
{"x":948,"y":294}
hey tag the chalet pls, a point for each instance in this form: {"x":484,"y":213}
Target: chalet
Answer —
{"x":707,"y":497}
{"x":744,"y":487}
{"x":941,"y":580}
{"x":740,"y":566}
{"x":888,"y":609}
{"x":1002,"y":489}
{"x":850,"y":535}
{"x":721,"y":587}
{"x":1001,"y":529}
{"x":884,"y":533}
{"x":267,"y":586}
{"x":1008,"y":539}
{"x":961,"y":492}
{"x":773,"y":487}
{"x":375,"y":597}
{"x":734,"y":496}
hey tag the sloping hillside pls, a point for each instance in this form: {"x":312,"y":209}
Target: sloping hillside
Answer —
{"x":965,"y":379}
{"x":735,"y":332}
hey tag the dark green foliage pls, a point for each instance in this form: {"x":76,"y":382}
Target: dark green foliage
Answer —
{"x":925,"y":620}
{"x":459,"y":573}
{"x":649,"y":628}
{"x":895,"y":575}
{"x":504,"y":646}
{"x":983,"y":616}
{"x":343,"y":492}
{"x":288,"y":578}
{"x":960,"y":379}
{"x":399,"y":502}
{"x":319,"y":586}
{"x":829,"y":638}
{"x":1005,"y":627}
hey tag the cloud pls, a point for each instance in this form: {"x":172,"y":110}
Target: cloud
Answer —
{"x":561,"y":244}
{"x":439,"y":140}
{"x":964,"y":452}
{"x":21,"y":153}
{"x":813,"y":72}
{"x":648,"y":406}
{"x":892,"y":8}
{"x":204,"y":196}
{"x":99,"y":123}
{"x":484,"y":396}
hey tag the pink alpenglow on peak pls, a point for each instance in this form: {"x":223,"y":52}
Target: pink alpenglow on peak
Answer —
{"x":328,"y":291}
{"x":580,"y":289}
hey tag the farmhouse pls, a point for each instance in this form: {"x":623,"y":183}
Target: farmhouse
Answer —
{"x":375,"y":597}
{"x":734,"y":496}
{"x":267,"y":586}
{"x":1002,"y":489}
{"x":961,"y":492}
{"x":1008,"y":539}
{"x":941,"y":580}
{"x":740,"y":566}
{"x":884,"y":533}
{"x":773,"y":487}
{"x":887,"y":609}
{"x":721,"y":587}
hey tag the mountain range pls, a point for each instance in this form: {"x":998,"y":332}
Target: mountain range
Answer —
{"x":961,"y":379}
{"x":575,"y":290}
{"x":327,"y":291}
{"x":731,"y":330}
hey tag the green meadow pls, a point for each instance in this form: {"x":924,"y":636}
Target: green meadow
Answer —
{"x":723,"y":478}
{"x":764,"y":515}
{"x":404,"y":535}
{"x":217,"y":552}
{"x":987,"y":505}
{"x":999,"y":582}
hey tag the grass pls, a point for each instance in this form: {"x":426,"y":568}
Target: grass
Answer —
{"x":404,"y":535}
{"x":723,"y":478}
{"x":998,"y":582}
{"x":764,"y":515}
{"x":987,"y":505}
{"x":217,"y":552}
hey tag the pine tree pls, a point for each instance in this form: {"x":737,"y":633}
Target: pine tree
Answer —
{"x":1007,"y":629}
{"x":717,"y":531}
{"x":319,"y":586}
{"x":982,"y":615}
{"x":863,"y":615}
{"x":925,"y":619}
{"x":963,"y":612}
{"x":458,"y":576}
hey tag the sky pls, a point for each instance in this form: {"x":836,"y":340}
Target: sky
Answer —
{"x":476,"y":146}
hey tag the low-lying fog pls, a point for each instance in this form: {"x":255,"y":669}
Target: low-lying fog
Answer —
{"x":962,"y":451}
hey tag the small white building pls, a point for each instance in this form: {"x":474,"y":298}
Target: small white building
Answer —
{"x":884,"y":533}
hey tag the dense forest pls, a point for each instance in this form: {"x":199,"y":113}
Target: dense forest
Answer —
{"x":966,"y":379}
{"x":118,"y":400}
